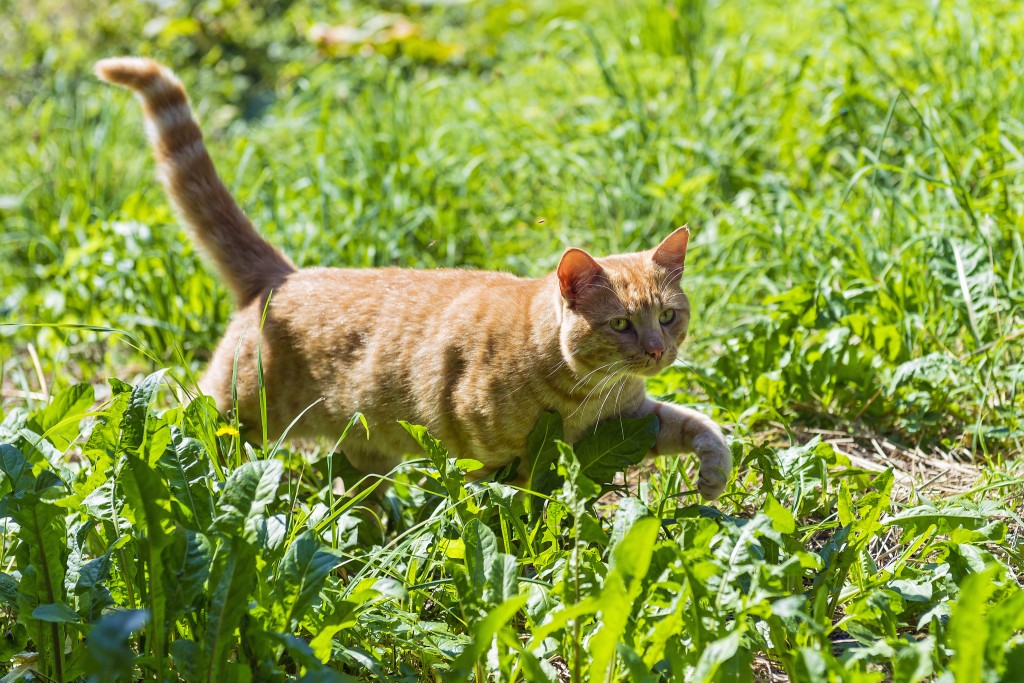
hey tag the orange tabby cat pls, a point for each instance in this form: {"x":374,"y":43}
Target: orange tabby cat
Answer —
{"x":476,"y":357}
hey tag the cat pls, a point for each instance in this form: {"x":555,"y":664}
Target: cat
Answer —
{"x":476,"y":357}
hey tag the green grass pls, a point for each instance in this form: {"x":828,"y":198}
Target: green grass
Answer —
{"x":852,"y":177}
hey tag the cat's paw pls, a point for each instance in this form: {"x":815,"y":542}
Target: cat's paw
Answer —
{"x":715,"y":463}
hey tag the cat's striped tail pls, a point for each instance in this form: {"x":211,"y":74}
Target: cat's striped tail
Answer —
{"x":248,"y":263}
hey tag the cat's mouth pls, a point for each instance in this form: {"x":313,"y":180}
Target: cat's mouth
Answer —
{"x":648,"y":367}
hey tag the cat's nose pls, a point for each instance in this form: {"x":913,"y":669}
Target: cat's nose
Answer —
{"x":655,"y":352}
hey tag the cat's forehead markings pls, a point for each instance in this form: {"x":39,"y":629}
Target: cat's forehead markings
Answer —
{"x":635,"y":288}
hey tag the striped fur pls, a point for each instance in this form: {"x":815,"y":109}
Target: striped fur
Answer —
{"x":249,"y":265}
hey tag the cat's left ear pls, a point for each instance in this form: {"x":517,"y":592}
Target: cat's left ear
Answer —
{"x":671,"y":253}
{"x":577,"y":271}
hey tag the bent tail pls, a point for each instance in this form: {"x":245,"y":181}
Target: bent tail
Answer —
{"x":248,"y":263}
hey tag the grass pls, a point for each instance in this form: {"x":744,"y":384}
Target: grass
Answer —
{"x":852,"y":176}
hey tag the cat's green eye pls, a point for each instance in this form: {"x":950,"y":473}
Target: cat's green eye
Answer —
{"x":619,"y":324}
{"x":667,"y":316}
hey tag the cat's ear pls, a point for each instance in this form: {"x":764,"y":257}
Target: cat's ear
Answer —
{"x":671,"y":253}
{"x":576,"y":271}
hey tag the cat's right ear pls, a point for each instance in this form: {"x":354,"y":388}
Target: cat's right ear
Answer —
{"x":576,"y":272}
{"x":671,"y":253}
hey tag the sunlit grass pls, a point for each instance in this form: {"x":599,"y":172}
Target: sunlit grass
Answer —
{"x":852,"y":178}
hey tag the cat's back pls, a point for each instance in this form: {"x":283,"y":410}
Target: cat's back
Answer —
{"x":408,"y":296}
{"x":388,"y":341}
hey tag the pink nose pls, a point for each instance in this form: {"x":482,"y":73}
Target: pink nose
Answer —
{"x":655,"y":352}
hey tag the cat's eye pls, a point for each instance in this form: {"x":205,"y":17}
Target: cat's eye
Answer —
{"x":667,"y":316}
{"x":619,"y":324}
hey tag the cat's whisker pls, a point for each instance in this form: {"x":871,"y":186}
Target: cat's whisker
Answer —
{"x":584,"y":379}
{"x":621,"y":382}
{"x":612,"y":368}
{"x":559,"y":365}
{"x":610,"y":376}
{"x":589,"y":374}
{"x":619,"y":395}
{"x":586,"y":398}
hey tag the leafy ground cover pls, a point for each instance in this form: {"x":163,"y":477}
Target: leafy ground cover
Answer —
{"x":852,"y":174}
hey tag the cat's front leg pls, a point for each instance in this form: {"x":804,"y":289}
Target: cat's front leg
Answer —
{"x":685,"y":430}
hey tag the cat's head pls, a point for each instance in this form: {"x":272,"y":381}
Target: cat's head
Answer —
{"x":625,"y":313}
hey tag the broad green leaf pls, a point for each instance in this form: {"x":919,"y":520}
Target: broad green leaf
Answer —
{"x":57,"y":613}
{"x":992,"y":532}
{"x":481,"y":549}
{"x":12,"y":423}
{"x":187,"y":560}
{"x":451,"y":477}
{"x":247,"y":493}
{"x":185,"y":655}
{"x":844,"y":504}
{"x":90,"y":587}
{"x":271,"y":533}
{"x":809,"y":462}
{"x":147,"y":497}
{"x":41,"y":453}
{"x":297,"y":648}
{"x":913,"y":661}
{"x":100,"y":448}
{"x":502,"y":579}
{"x":300,"y":577}
{"x":134,"y":420}
{"x":935,"y":369}
{"x":632,"y":558}
{"x":13,"y":640}
{"x":432,"y":447}
{"x":344,"y":615}
{"x":232,"y":577}
{"x":185,"y":467}
{"x":17,"y":470}
{"x":58,"y":422}
{"x":614,"y":604}
{"x":615,"y":445}
{"x":632,"y":555}
{"x":111,"y":656}
{"x":1005,"y":621}
{"x":916,"y":519}
{"x":483,"y":633}
{"x":630,"y":510}
{"x":146,"y":494}
{"x":714,"y":655}
{"x":577,"y":488}
{"x":542,"y":454}
{"x":782,"y":517}
{"x":8,"y":590}
{"x":635,"y":666}
{"x":41,"y":556}
{"x":536,"y":670}
{"x":968,"y":630}
{"x":104,"y":439}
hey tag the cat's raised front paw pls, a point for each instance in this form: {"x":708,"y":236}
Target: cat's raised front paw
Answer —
{"x":715,"y":463}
